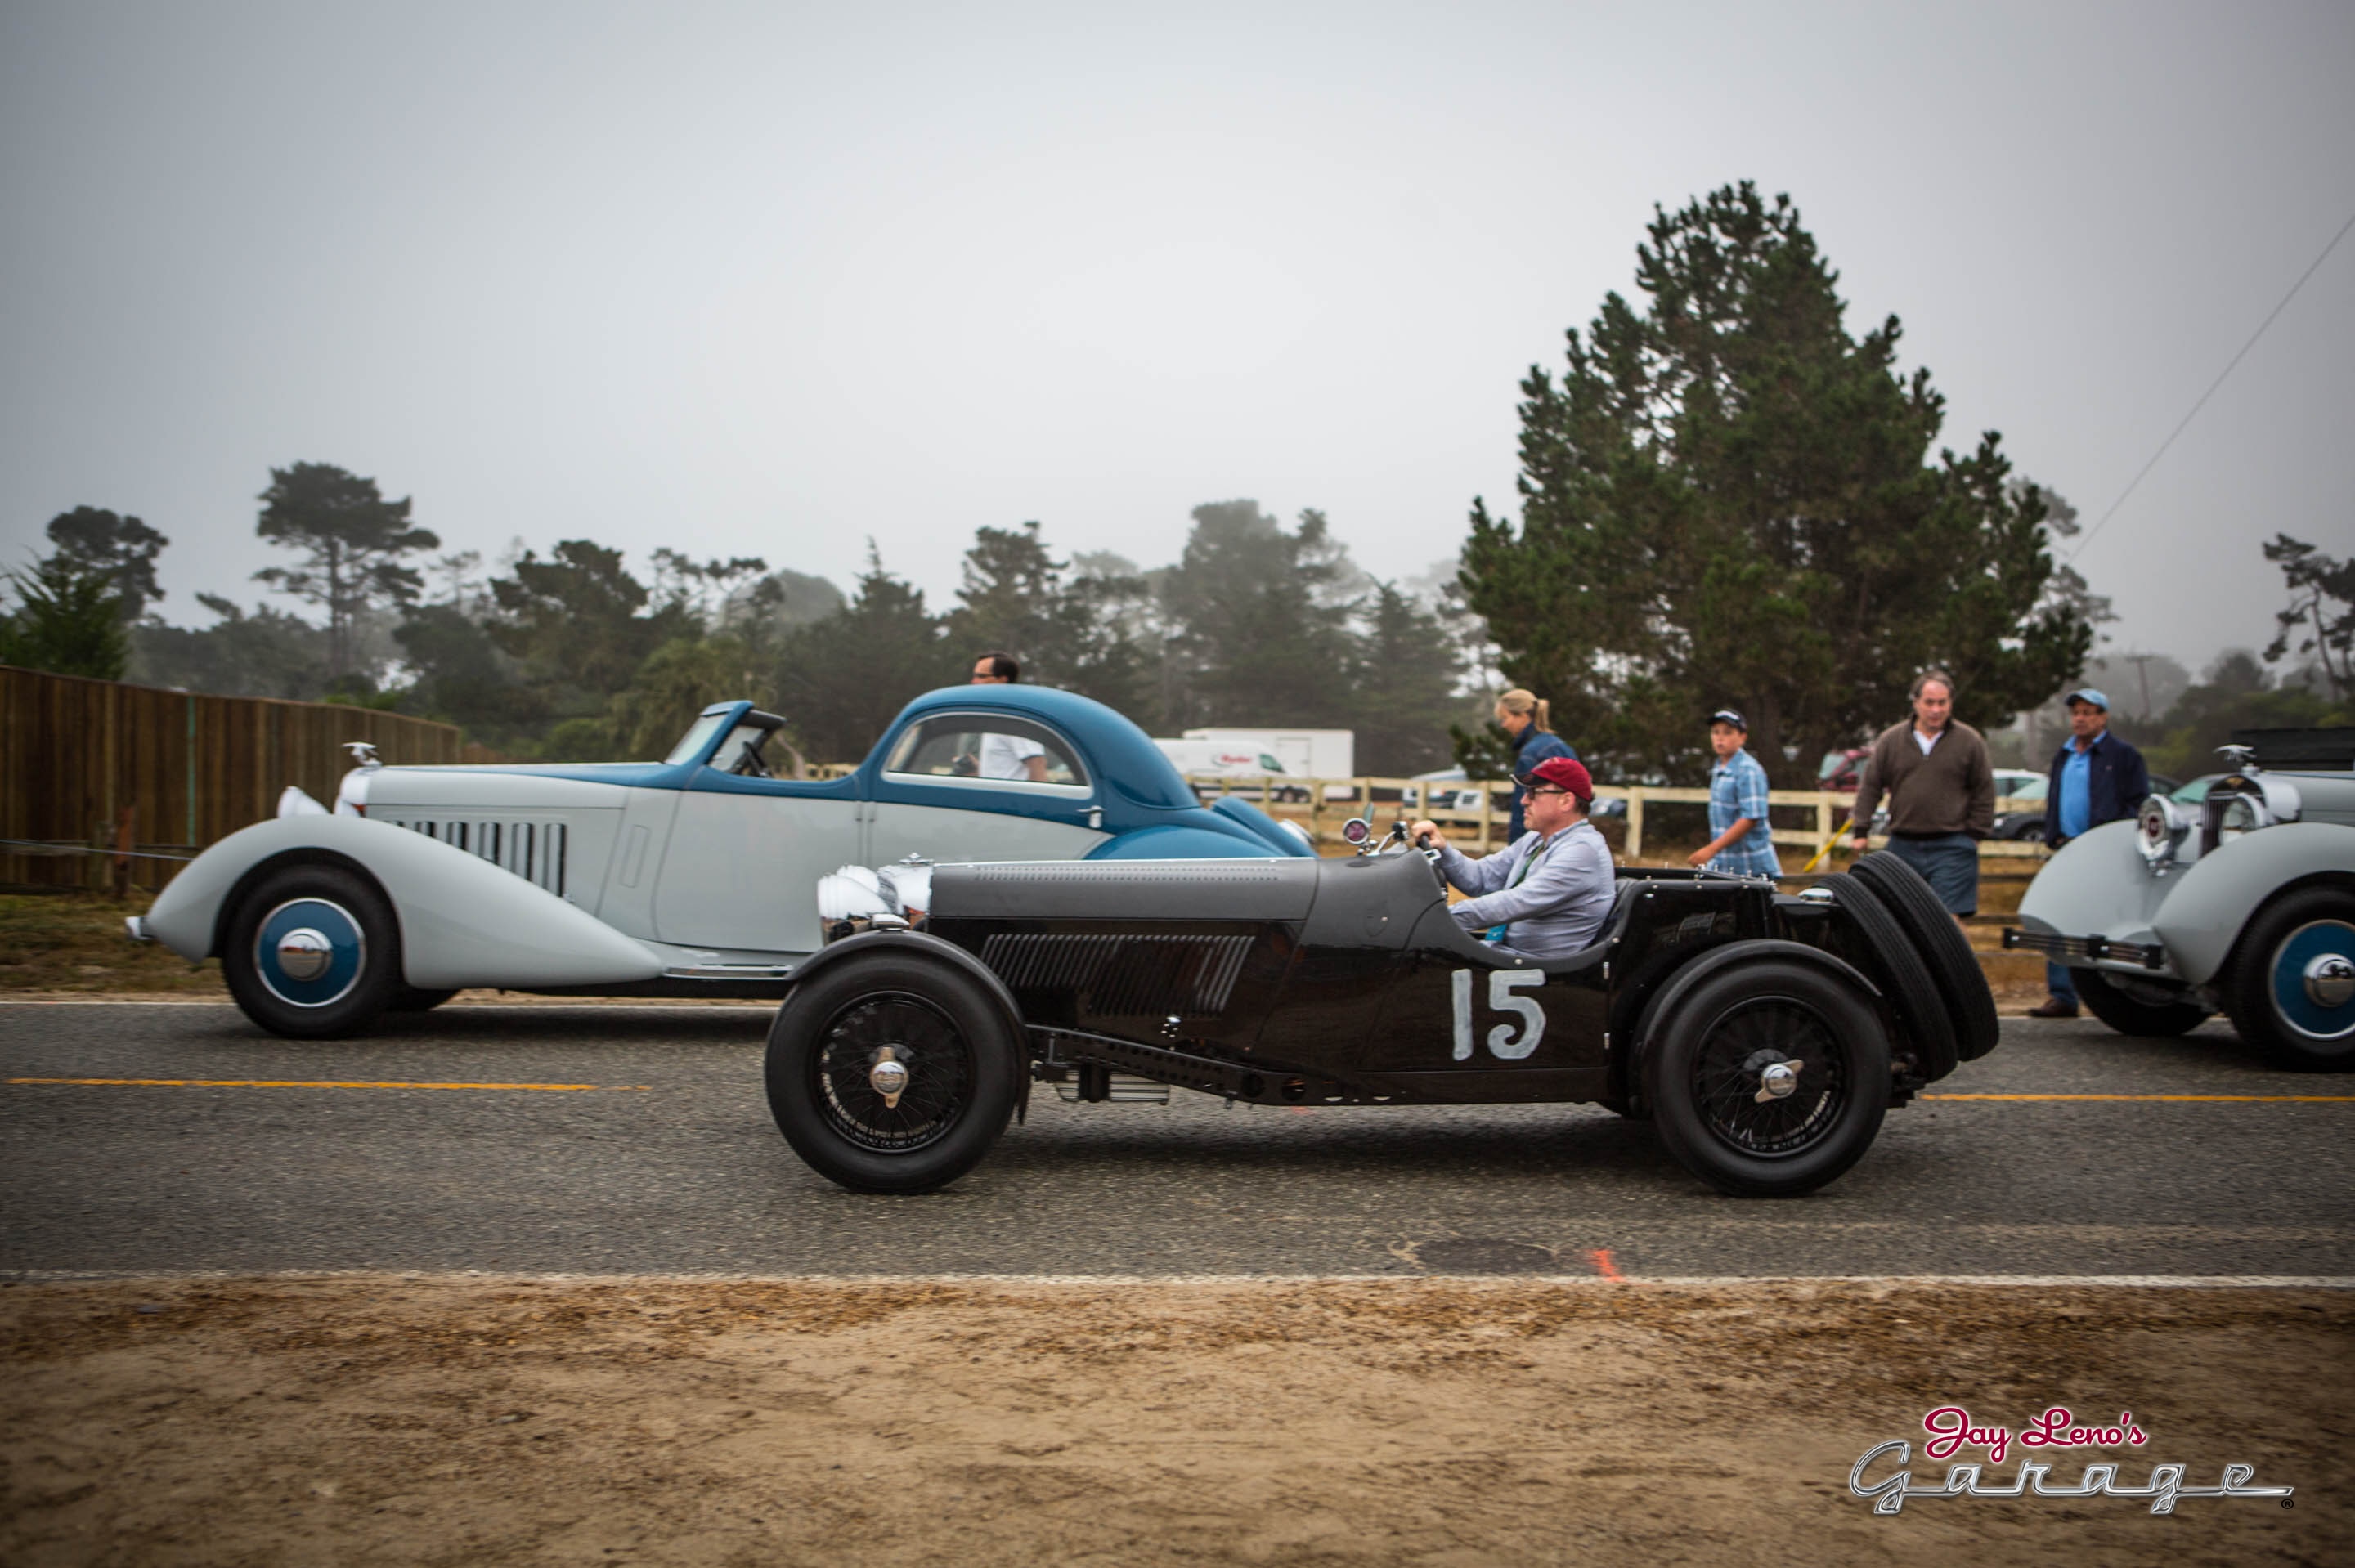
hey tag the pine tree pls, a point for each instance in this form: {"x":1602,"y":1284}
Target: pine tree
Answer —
{"x":1727,"y":499}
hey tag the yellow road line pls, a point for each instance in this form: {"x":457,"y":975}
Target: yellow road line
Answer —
{"x":331,"y":1084}
{"x":2205,"y":1099}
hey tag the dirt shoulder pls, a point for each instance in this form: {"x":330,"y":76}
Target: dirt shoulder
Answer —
{"x":367,"y":1419}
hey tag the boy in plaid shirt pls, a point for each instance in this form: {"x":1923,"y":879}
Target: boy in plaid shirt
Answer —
{"x":1744,"y":843}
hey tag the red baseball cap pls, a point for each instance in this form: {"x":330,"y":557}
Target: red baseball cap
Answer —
{"x":1565,"y":772}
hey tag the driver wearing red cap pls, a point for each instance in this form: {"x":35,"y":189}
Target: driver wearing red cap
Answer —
{"x":1547,"y":893}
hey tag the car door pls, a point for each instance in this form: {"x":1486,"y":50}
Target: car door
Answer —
{"x":984,"y":786}
{"x":744,"y":858}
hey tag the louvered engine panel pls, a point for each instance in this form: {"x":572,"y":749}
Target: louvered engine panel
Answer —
{"x":1124,"y":976}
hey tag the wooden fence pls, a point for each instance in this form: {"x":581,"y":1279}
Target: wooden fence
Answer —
{"x":145,"y":772}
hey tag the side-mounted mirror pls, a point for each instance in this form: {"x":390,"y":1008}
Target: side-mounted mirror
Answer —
{"x":1358,"y":829}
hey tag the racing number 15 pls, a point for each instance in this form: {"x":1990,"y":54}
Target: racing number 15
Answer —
{"x":1502,"y":1040}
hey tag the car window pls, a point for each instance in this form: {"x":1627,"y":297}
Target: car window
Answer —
{"x":985,"y":745}
{"x":1269,"y":765}
{"x":2031,"y":787}
{"x":741,"y":752}
{"x":2193,"y":793}
{"x":698,"y":736}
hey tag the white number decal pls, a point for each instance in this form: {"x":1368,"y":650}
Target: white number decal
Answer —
{"x":1502,"y":1040}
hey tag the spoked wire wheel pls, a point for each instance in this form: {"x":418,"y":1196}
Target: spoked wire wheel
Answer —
{"x":894,"y":1069}
{"x":1767,"y":1073}
{"x":869,"y":1103}
{"x":1768,"y":1079}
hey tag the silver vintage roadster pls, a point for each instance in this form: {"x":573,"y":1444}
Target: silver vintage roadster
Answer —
{"x":2244,"y":903}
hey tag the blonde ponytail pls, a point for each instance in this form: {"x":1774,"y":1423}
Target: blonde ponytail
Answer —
{"x":1539,"y":711}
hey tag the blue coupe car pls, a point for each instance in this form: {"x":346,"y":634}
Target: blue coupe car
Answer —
{"x":691,"y":876}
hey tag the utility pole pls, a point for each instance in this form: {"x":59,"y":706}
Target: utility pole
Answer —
{"x":2141,"y":662}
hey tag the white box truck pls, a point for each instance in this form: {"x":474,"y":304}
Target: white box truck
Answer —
{"x":1317,"y":752}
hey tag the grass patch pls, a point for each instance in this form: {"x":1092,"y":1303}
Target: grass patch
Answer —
{"x":75,"y":942}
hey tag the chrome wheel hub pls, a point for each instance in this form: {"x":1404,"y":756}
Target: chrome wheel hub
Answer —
{"x":304,"y":953}
{"x":888,"y":1075}
{"x":1778,"y":1080}
{"x":2330,"y":980}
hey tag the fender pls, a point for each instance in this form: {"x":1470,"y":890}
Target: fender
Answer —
{"x":1718,"y":957}
{"x":1170,"y":841}
{"x":2212,"y":900}
{"x":463,"y":921}
{"x":2098,"y":884}
{"x":932,"y":947}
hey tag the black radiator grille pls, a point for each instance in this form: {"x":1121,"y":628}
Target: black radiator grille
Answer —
{"x":533,"y":851}
{"x":1124,"y":976}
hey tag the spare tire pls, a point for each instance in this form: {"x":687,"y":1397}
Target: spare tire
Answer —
{"x":1891,"y":955}
{"x":1946,"y":951}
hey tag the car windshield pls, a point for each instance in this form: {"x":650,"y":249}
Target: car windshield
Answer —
{"x":2195,"y":792}
{"x":698,"y":736}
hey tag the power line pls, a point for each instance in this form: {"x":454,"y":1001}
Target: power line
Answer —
{"x":2236,"y":359}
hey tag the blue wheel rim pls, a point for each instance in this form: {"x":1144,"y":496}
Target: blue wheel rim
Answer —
{"x":2292,"y":1001}
{"x":309,"y":952}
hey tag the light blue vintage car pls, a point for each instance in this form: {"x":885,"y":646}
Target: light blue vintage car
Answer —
{"x":2242,"y":902}
{"x":691,"y":876}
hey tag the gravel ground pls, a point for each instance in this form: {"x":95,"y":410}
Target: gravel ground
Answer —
{"x":388,"y":1419}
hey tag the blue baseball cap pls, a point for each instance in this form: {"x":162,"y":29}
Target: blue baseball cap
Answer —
{"x":2088,"y":695}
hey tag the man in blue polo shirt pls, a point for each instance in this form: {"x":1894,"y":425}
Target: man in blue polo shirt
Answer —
{"x":2097,"y":779}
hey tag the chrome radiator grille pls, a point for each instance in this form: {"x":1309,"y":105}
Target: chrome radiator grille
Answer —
{"x":1124,"y":975}
{"x":533,"y":851}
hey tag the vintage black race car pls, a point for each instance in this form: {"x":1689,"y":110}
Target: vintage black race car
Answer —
{"x":1765,"y":1034}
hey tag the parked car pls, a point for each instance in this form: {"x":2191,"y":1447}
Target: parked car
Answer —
{"x":2236,"y":893}
{"x":1468,"y":800}
{"x":690,"y":876}
{"x":2025,"y":823}
{"x":1765,"y":1034}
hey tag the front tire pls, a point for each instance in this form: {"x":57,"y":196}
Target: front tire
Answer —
{"x":1710,"y":1057}
{"x":2290,"y":986}
{"x":312,"y":953}
{"x":832,"y":1054}
{"x":2153,"y":1018}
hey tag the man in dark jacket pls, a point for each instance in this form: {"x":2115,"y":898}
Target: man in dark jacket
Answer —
{"x":2097,"y":779}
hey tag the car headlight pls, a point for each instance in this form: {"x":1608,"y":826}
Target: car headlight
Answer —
{"x":2159,"y":827}
{"x":2242,"y":814}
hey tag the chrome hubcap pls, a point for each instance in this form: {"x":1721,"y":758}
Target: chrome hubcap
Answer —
{"x":304,"y":953}
{"x":1776,"y":1080}
{"x":2330,"y":980}
{"x":888,"y":1076}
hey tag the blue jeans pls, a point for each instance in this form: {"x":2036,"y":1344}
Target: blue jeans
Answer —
{"x":1949,"y":862}
{"x":2057,"y":981}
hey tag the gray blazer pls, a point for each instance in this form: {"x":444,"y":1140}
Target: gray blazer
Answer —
{"x":1556,"y":910}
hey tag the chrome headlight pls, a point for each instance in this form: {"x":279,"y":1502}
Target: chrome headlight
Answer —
{"x":2159,"y":828}
{"x":2242,"y":814}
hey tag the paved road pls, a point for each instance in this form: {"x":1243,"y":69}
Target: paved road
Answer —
{"x":689,"y":1176}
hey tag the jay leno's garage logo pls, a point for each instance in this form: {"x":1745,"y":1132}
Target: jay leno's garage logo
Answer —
{"x":1951,"y":1430}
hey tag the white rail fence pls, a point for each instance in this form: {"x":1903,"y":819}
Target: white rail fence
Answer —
{"x":1322,"y":805}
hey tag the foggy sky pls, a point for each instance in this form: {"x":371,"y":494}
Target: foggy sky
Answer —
{"x":770,"y":280}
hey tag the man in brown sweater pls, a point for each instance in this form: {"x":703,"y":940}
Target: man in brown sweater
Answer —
{"x":1940,"y":790}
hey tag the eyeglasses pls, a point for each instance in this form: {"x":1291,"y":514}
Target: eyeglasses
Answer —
{"x":1548,"y":789}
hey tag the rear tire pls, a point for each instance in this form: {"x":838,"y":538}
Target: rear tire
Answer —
{"x":1922,"y":1008}
{"x":963,"y":1072}
{"x":2108,"y":1000}
{"x":2280,"y":982}
{"x":1706,"y":1059}
{"x":1946,"y":951}
{"x":312,"y":953}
